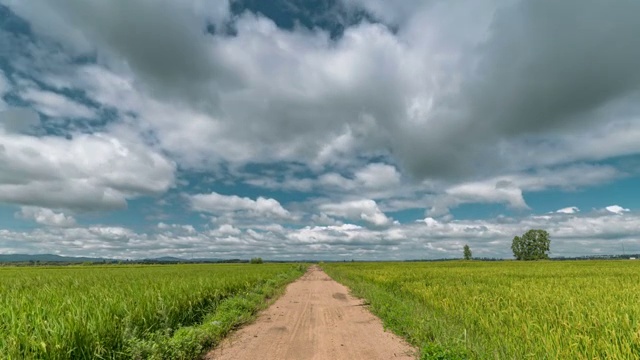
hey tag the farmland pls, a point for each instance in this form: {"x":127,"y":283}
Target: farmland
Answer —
{"x":505,"y":310}
{"x":111,"y":312}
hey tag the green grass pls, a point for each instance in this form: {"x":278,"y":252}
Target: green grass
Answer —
{"x":505,"y":310}
{"x":140,"y":312}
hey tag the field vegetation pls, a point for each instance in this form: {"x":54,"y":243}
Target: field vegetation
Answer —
{"x":139,"y":312}
{"x":505,"y":310}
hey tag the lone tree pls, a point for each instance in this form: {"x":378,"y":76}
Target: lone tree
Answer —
{"x":533,"y":245}
{"x":467,"y":252}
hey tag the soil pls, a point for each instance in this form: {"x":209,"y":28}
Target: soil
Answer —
{"x":315,"y":319}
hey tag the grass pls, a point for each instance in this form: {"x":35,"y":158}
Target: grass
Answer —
{"x":505,"y":310}
{"x":123,"y":312}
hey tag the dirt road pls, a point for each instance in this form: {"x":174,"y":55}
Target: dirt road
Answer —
{"x":315,"y":319}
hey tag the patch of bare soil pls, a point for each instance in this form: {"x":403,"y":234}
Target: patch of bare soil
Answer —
{"x":315,"y":319}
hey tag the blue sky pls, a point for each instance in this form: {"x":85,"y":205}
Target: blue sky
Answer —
{"x":335,"y":129}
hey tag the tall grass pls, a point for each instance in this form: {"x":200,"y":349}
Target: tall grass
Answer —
{"x":506,"y":310}
{"x":110,"y":312}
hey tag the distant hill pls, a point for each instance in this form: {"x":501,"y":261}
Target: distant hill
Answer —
{"x":167,"y":259}
{"x":50,"y":258}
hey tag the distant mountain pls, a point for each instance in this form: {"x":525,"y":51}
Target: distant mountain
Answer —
{"x":46,"y":258}
{"x":167,"y":259}
{"x":72,"y":259}
{"x":50,"y":258}
{"x":214,"y":260}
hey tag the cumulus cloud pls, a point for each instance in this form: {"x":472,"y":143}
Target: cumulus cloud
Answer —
{"x":84,"y":172}
{"x":568,"y":210}
{"x":371,"y":177}
{"x":360,"y":210}
{"x":616,"y":209}
{"x":46,"y":217}
{"x":457,"y":108}
{"x":215,"y":203}
{"x":179,"y":55}
{"x":591,"y":233}
{"x":174,"y":228}
{"x":378,"y":176}
{"x":500,"y":191}
{"x":228,"y":229}
{"x":509,"y":189}
{"x":420,"y":105}
{"x":370,"y":180}
{"x":530,"y":102}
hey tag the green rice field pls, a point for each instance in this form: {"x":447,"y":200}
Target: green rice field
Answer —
{"x":448,"y":310}
{"x":130,"y":312}
{"x":505,"y":310}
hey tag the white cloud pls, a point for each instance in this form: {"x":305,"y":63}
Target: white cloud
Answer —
{"x":378,"y":176}
{"x":375,"y":180}
{"x":583,"y":234}
{"x":440,"y":96}
{"x":289,"y":183}
{"x":371,"y":180}
{"x":492,"y":191}
{"x":509,"y":189}
{"x":431,"y":222}
{"x":370,"y":91}
{"x":323,"y":219}
{"x":365,"y":210}
{"x":55,"y":105}
{"x":224,"y":204}
{"x":177,"y":228}
{"x":228,"y":229}
{"x":46,"y":216}
{"x":616,"y":209}
{"x":336,"y":180}
{"x":87,"y":171}
{"x":568,"y":210}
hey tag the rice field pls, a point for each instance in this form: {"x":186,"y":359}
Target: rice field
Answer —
{"x":505,"y":310}
{"x":139,"y":312}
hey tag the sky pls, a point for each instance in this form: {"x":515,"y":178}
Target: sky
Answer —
{"x":327,"y":129}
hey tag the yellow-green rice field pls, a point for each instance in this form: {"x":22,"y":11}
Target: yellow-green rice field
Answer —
{"x":505,"y":310}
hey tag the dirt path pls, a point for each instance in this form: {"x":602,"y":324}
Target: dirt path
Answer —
{"x":315,"y":319}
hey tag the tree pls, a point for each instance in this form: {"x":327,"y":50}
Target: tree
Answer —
{"x":467,"y":252}
{"x":256,"y":260}
{"x":533,"y":245}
